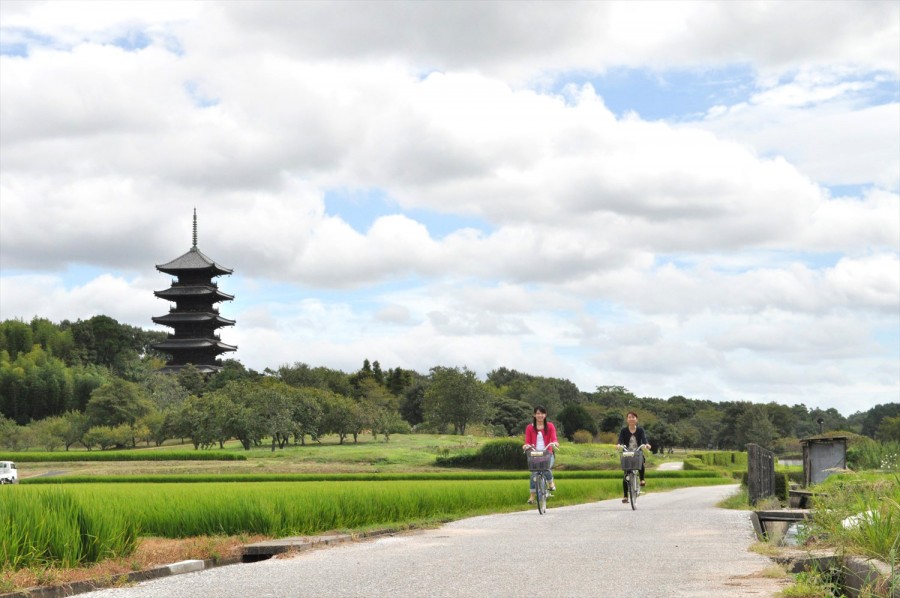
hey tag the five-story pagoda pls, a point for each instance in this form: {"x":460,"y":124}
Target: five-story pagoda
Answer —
{"x":194,"y":318}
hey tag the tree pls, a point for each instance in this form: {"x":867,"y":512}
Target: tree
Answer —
{"x":389,"y":422}
{"x":16,"y":337}
{"x":164,"y":390}
{"x":661,"y":436}
{"x":411,"y":404}
{"x":117,"y":402}
{"x":47,"y":433}
{"x":872,"y":418}
{"x":687,"y":435}
{"x":270,"y":402}
{"x":196,"y":418}
{"x":342,"y":416}
{"x":308,"y":411}
{"x":191,"y":379}
{"x":574,"y":417}
{"x":155,"y":424}
{"x":613,"y":421}
{"x":889,"y":430}
{"x":707,"y":422}
{"x":456,"y":397}
{"x":301,"y":375}
{"x":754,"y":427}
{"x":512,"y":415}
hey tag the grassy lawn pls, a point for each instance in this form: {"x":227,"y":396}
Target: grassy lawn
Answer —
{"x":403,"y":453}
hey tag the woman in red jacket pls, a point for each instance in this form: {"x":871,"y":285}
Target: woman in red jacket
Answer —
{"x":541,"y":434}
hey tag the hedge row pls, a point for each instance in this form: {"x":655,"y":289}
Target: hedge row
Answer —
{"x":347,"y":477}
{"x":164,"y":455}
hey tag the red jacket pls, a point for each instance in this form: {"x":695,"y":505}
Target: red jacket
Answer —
{"x":549,"y":434}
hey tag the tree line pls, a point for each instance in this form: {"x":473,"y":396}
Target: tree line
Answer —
{"x":96,"y":383}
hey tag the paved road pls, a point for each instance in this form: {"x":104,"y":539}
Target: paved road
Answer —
{"x":676,"y":544}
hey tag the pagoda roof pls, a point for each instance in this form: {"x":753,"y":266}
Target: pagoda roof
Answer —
{"x":192,"y":343}
{"x":193,"y":290}
{"x":193,"y":316}
{"x":194,"y":259}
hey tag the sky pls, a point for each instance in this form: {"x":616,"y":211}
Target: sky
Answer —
{"x":681,"y":198}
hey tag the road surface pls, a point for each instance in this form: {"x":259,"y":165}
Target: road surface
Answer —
{"x":676,"y":544}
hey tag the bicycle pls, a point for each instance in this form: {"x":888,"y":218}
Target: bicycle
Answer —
{"x":539,"y":466}
{"x":632,"y":460}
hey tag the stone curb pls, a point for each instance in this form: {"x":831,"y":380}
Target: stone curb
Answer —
{"x":80,"y":587}
{"x":249,"y":553}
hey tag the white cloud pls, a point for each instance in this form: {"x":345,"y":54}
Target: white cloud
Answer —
{"x":705,"y":258}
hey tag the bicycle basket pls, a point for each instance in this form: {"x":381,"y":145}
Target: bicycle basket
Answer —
{"x":632,"y":460}
{"x":538,"y":460}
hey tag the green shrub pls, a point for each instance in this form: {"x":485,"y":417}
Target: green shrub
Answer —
{"x":866,"y":453}
{"x":505,"y":453}
{"x":582,"y":437}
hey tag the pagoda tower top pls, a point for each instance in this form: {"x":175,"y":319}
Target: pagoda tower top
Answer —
{"x":194,"y":260}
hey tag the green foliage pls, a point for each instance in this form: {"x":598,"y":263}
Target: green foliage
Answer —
{"x":889,"y":430}
{"x":582,"y":437}
{"x":47,"y":370}
{"x":860,"y":513}
{"x":726,"y":459}
{"x":456,"y":397}
{"x":864,"y":453}
{"x":143,"y":455}
{"x":502,"y":454}
{"x":661,"y":435}
{"x":117,"y":402}
{"x":511,"y":415}
{"x":574,"y":417}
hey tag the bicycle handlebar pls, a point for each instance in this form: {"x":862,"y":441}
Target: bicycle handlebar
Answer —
{"x":532,"y":447}
{"x":622,"y":447}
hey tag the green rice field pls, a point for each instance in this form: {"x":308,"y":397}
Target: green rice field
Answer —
{"x":81,"y":523}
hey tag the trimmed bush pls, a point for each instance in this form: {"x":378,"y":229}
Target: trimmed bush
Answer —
{"x":582,"y":437}
{"x":505,"y":453}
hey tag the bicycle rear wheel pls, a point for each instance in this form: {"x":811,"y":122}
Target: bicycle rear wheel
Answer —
{"x":540,"y":488}
{"x":632,"y":492}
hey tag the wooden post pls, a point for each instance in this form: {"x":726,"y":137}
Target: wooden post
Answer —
{"x":760,"y":473}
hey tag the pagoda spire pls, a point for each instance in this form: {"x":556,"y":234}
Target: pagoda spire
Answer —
{"x":195,"y":227}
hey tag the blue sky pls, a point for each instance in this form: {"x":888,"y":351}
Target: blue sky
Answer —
{"x":702,"y":210}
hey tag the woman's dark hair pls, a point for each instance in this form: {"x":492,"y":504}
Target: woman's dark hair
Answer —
{"x":543,"y":410}
{"x":632,"y":413}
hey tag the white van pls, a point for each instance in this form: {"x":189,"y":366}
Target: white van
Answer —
{"x":8,"y":473}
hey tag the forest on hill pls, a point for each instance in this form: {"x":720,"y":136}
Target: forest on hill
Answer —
{"x":96,"y":383}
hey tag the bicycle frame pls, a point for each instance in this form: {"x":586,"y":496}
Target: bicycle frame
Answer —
{"x":539,"y":481}
{"x":632,"y":479}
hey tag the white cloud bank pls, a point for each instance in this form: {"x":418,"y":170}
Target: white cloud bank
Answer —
{"x":704,"y":256}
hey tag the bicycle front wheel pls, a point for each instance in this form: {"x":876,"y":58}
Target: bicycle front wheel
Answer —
{"x":540,"y":487}
{"x":634,"y":488}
